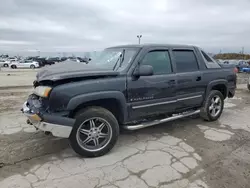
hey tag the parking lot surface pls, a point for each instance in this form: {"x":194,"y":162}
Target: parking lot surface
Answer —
{"x":187,"y":153}
{"x":16,"y":77}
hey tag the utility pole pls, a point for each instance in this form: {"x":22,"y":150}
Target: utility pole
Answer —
{"x":242,"y":52}
{"x":139,"y":38}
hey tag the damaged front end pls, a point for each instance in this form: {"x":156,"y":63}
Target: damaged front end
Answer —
{"x":36,"y":109}
{"x":46,"y":108}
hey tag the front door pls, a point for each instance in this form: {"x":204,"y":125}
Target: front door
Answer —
{"x":154,"y":94}
{"x":190,"y":82}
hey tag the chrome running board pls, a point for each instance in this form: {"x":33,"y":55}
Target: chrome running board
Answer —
{"x":155,"y":122}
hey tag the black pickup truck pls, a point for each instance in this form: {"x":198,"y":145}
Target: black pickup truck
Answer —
{"x":126,"y":87}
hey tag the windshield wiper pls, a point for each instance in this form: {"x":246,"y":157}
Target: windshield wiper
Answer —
{"x":121,"y":58}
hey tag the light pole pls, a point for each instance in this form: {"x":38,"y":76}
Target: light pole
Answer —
{"x":139,"y":38}
{"x":38,"y":52}
{"x":243,"y":53}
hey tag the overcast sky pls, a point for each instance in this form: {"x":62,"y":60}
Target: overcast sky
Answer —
{"x":86,"y":25}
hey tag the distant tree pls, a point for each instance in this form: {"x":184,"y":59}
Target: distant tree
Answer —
{"x":232,"y":56}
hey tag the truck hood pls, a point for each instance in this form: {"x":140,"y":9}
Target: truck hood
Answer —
{"x":71,"y":69}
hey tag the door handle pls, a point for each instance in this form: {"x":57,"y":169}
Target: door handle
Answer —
{"x":198,"y":78}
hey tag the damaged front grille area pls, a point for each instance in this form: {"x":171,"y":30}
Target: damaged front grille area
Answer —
{"x":37,"y":104}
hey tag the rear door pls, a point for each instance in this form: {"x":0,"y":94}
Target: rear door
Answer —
{"x":150,"y":95}
{"x":190,"y":83}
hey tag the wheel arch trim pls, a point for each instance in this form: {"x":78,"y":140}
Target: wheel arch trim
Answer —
{"x":84,"y":98}
{"x":217,"y":82}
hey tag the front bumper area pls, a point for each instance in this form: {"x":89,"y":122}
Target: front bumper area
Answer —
{"x":58,"y":126}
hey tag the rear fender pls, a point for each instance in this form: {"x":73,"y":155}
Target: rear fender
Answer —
{"x":217,"y":82}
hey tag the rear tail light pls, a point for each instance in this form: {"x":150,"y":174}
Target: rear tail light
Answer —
{"x":235,"y":70}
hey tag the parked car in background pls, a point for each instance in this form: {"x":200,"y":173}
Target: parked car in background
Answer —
{"x":24,"y":64}
{"x":4,"y":56}
{"x":248,"y":61}
{"x":242,"y":66}
{"x":127,"y":87}
{"x":4,"y":63}
{"x":1,"y":62}
{"x":34,"y":58}
{"x":78,"y":59}
{"x":53,"y":60}
{"x":42,"y":61}
{"x":64,"y":58}
{"x":13,"y":59}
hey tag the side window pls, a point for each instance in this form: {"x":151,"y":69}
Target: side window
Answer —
{"x":210,"y":63}
{"x":185,"y":60}
{"x":207,"y":58}
{"x":159,"y":60}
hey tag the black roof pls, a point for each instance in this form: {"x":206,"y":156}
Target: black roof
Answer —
{"x":152,"y":45}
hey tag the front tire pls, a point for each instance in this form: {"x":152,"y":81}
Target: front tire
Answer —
{"x":5,"y":65}
{"x":95,"y":132}
{"x":32,"y":66}
{"x":213,"y":106}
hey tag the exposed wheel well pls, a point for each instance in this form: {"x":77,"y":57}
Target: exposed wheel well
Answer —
{"x":222,"y":88}
{"x":112,"y":105}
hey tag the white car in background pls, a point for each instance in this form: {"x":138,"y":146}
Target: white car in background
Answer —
{"x":24,"y":64}
{"x":4,"y":63}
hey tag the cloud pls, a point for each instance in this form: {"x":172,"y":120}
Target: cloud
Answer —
{"x":4,"y":42}
{"x":86,"y":25}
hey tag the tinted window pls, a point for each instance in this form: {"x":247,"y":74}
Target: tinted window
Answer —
{"x":159,"y":60}
{"x":185,"y":60}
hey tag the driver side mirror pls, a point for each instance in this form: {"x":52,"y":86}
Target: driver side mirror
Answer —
{"x":144,"y":70}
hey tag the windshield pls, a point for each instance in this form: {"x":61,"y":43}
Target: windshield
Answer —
{"x":114,"y":58}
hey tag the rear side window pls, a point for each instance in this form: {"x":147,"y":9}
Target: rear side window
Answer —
{"x":159,"y":60}
{"x":209,"y":62}
{"x":185,"y":60}
{"x":207,"y":58}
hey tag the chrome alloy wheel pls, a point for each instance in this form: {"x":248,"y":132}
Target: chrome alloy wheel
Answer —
{"x":94,"y":134}
{"x":215,"y":106}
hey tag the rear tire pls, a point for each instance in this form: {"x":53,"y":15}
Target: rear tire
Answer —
{"x":13,"y":66}
{"x":88,"y":137}
{"x":212,"y":106}
{"x":5,"y":65}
